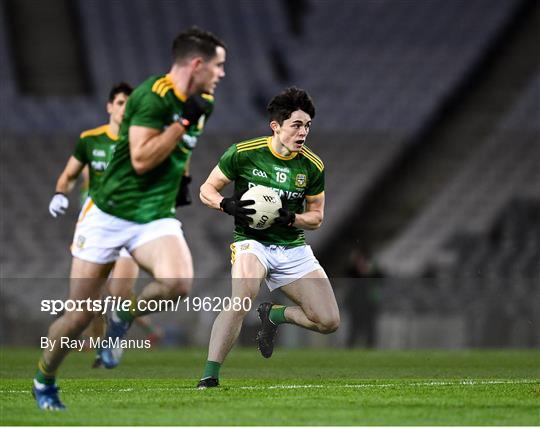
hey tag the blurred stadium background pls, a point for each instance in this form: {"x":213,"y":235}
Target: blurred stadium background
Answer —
{"x":428,"y":120}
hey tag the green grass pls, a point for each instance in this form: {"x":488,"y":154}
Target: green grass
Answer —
{"x":300,"y":387}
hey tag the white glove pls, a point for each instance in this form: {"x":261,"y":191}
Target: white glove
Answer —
{"x":58,"y":205}
{"x":190,"y":140}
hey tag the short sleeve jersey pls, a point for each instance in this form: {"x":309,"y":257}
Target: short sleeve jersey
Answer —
{"x":297,"y":176}
{"x":95,"y":148}
{"x":150,"y":196}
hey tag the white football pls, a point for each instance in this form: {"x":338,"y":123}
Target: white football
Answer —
{"x":266,"y":206}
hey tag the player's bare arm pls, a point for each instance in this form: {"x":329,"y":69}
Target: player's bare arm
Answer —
{"x":86,"y":178}
{"x":67,"y":179}
{"x":210,"y":190}
{"x":149,"y":147}
{"x":312,"y":218}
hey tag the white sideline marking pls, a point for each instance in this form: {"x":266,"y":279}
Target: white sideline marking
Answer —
{"x":468,"y":382}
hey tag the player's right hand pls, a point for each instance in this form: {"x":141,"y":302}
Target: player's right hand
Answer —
{"x":59,"y":204}
{"x":195,"y":106}
{"x":235,"y":207}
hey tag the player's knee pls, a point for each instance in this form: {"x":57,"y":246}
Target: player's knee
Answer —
{"x":329,"y":325}
{"x":325,"y":323}
{"x":240,"y":304}
{"x":177,"y":287}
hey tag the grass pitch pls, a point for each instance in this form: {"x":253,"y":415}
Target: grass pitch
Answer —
{"x":294,"y":387}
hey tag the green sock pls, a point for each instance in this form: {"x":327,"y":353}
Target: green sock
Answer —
{"x":43,"y":375}
{"x":211,"y":369}
{"x":131,"y":313}
{"x":277,"y":314}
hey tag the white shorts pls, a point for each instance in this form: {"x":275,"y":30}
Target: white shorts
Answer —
{"x":283,"y":264}
{"x":99,"y":237}
{"x":124,"y":253}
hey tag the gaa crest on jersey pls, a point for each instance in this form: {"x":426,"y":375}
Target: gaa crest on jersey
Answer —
{"x":300,"y":180}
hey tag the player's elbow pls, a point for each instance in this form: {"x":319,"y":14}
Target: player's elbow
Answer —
{"x":203,"y":192}
{"x":139,"y":166}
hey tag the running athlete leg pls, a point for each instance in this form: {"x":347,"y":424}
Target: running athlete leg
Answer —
{"x":247,"y":273}
{"x":123,"y":277}
{"x":86,"y":282}
{"x":169,"y":261}
{"x":318,"y":309}
{"x":122,"y":283}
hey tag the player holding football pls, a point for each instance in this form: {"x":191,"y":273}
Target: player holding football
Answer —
{"x":278,"y":255}
{"x":135,"y":205}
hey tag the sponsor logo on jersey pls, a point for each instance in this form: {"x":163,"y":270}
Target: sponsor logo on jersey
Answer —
{"x":98,"y":153}
{"x":99,"y":165}
{"x":300,"y":180}
{"x":281,"y":168}
{"x":259,"y":173}
{"x":287,"y":193}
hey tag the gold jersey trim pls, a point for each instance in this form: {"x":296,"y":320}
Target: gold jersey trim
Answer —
{"x":233,"y":253}
{"x":164,"y":85}
{"x":250,"y":142}
{"x":311,"y":197}
{"x":103,"y":129}
{"x":252,"y":147}
{"x":316,"y":160}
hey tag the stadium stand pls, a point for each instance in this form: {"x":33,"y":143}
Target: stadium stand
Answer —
{"x":378,"y":114}
{"x":501,"y":170}
{"x":379,"y":72}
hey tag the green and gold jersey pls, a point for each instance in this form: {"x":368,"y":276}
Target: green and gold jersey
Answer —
{"x":95,"y":149}
{"x":150,"y":196}
{"x":296,"y":176}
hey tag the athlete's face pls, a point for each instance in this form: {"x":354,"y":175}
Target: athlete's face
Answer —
{"x":207,"y":74}
{"x":117,"y":107}
{"x":292,"y":133}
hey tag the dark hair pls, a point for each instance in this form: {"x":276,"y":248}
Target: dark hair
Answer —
{"x":120,"y":88}
{"x":195,"y":41}
{"x":283,"y":105}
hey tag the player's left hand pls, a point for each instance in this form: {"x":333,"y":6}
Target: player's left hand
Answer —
{"x":286,"y":217}
{"x":184,"y":196}
{"x":59,"y":204}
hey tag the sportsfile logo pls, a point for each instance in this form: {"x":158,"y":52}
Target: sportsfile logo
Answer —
{"x":119,"y":304}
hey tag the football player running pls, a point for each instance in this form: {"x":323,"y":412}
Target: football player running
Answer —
{"x":278,"y":255}
{"x":135,"y":205}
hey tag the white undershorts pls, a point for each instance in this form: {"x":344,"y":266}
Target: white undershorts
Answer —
{"x":99,"y":237}
{"x":124,"y":253}
{"x":283,"y":264}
